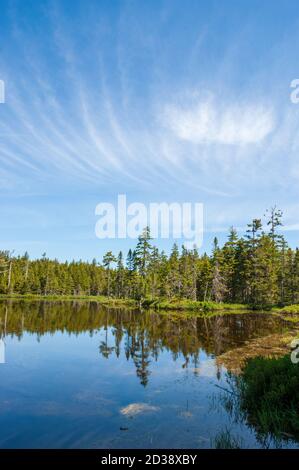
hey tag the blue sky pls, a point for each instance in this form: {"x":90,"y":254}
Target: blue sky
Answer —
{"x":158,"y":100}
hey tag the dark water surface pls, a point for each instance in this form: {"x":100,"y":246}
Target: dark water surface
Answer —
{"x":77,"y":375}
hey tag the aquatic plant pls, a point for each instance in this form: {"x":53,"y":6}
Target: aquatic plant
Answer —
{"x":269,"y":396}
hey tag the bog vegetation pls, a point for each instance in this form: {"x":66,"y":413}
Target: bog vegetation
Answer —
{"x":268,"y":394}
{"x":258,"y":269}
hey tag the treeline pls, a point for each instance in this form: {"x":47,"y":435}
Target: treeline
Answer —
{"x":258,"y":269}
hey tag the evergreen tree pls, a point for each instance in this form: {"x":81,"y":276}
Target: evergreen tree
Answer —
{"x":259,"y":269}
{"x":108,"y":258}
{"x":143,"y":251}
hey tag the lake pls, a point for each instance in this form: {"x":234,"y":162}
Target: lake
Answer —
{"x":77,"y":375}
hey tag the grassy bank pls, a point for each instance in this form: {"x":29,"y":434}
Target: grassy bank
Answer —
{"x":268,"y":391}
{"x":156,"y":304}
{"x":274,"y":345}
{"x":289,"y":312}
{"x":194,"y":306}
{"x":107,"y":301}
{"x":288,"y":309}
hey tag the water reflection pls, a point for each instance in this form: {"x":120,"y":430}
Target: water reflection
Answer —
{"x":142,"y":336}
{"x":78,"y":375}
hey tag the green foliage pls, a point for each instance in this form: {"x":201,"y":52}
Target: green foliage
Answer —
{"x":199,"y":306}
{"x":225,"y":440}
{"x":269,"y":396}
{"x":259,"y":270}
{"x":291,"y":309}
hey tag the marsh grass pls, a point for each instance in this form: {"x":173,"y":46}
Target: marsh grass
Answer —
{"x":106,"y":301}
{"x":194,"y":307}
{"x":292,"y":309}
{"x":191,"y":305}
{"x":269,"y":396}
{"x":225,"y":440}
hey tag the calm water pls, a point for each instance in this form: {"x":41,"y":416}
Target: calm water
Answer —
{"x":80,"y":376}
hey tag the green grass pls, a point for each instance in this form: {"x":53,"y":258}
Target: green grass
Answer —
{"x":288,"y":313}
{"x":108,"y":301}
{"x":178,"y":304}
{"x":269,"y":396}
{"x":288,"y":309}
{"x":157,"y":304}
{"x":198,"y":308}
{"x":225,"y":440}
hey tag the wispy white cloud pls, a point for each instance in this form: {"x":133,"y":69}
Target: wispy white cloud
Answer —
{"x":112,"y":100}
{"x":100,"y":119}
{"x":210,"y":121}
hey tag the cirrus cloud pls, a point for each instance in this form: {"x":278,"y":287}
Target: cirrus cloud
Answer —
{"x":209,"y":122}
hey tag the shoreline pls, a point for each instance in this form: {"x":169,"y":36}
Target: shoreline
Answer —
{"x":196,"y":307}
{"x":201,"y":308}
{"x":146,"y":304}
{"x":106,"y":301}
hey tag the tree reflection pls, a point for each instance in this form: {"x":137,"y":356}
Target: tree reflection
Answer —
{"x":140,"y":336}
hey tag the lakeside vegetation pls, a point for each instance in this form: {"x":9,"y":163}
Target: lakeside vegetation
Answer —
{"x":273,"y":345}
{"x":288,"y":309}
{"x":257,"y":271}
{"x":266,"y":396}
{"x":101,"y":299}
{"x":196,"y":307}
